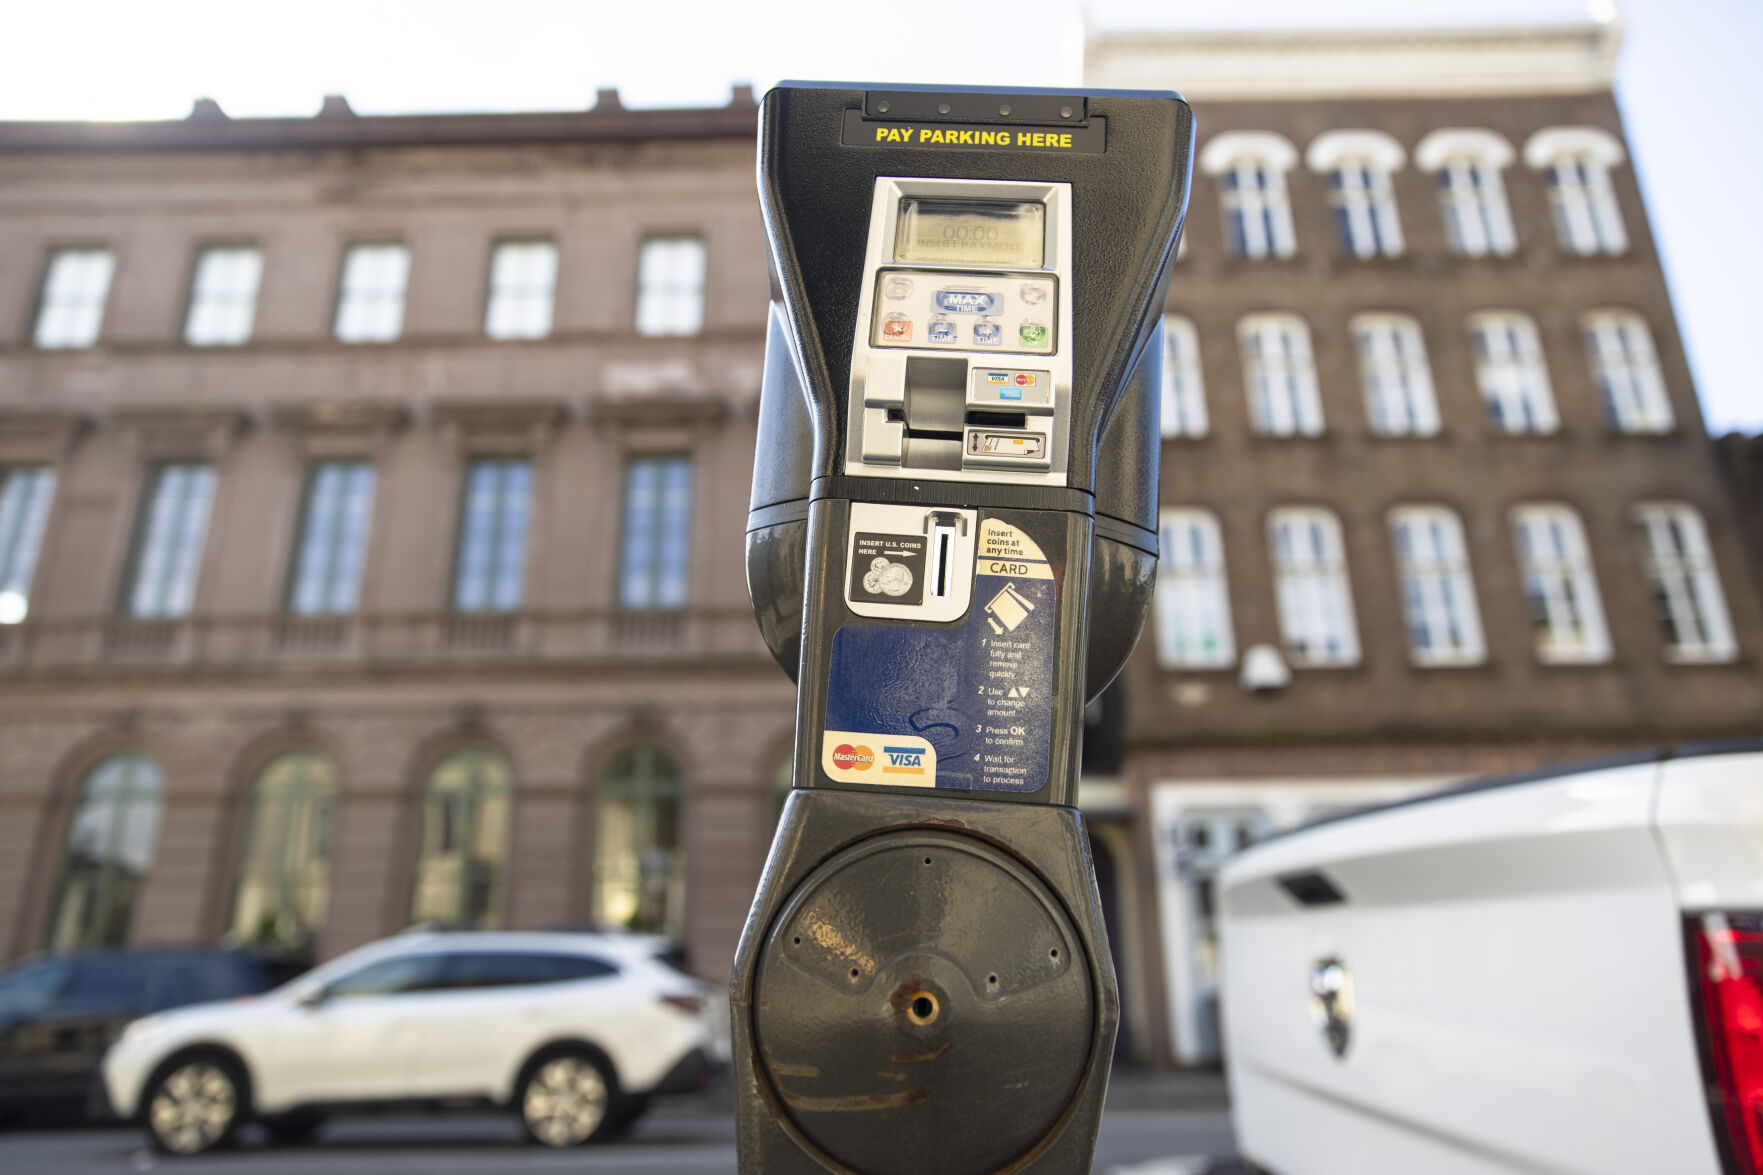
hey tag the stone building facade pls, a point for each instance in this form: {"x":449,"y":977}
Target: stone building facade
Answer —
{"x":372,"y":494}
{"x":295,"y":743}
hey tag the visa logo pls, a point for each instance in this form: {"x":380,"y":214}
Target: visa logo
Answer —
{"x":904,"y":760}
{"x":967,"y":301}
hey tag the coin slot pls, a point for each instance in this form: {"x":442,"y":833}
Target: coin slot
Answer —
{"x":942,"y":554}
{"x":923,"y":1009}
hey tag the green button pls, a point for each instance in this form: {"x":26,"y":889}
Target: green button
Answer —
{"x":1033,"y":334}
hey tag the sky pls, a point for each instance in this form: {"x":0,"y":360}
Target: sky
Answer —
{"x":1687,"y":84}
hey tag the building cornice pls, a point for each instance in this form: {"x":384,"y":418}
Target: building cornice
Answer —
{"x":1489,"y":60}
{"x":207,"y":129}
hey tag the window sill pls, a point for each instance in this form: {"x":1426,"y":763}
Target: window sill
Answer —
{"x":1575,"y":660}
{"x":1707,"y":660}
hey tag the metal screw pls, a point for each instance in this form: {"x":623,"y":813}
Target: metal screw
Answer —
{"x":881,"y":107}
{"x":942,"y":108}
{"x":1004,"y":110}
{"x":1064,"y":111}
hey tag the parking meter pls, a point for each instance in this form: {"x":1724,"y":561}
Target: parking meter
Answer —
{"x":951,"y":548}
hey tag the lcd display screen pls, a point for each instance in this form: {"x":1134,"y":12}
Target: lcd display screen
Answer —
{"x":970,"y":233}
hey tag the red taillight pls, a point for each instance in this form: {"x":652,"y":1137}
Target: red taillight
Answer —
{"x":1729,"y":965}
{"x":691,"y":1005}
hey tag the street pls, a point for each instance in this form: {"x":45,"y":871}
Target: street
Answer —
{"x":1142,"y":1134}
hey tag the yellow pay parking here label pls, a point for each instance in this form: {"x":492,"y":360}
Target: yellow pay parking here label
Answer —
{"x":1091,"y":139}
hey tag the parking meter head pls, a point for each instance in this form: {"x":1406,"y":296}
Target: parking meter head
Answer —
{"x":870,"y":196}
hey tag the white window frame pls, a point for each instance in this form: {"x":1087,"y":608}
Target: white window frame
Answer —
{"x":523,"y":288}
{"x":1358,"y":164}
{"x":1183,"y":400}
{"x":655,"y":531}
{"x":1625,"y":366}
{"x":70,"y":307}
{"x":1192,"y":598}
{"x":1685,"y":584}
{"x":1576,"y":163}
{"x":1365,"y":210}
{"x":1312,"y":587}
{"x":1279,"y":375}
{"x":172,"y":534}
{"x":331,"y":549}
{"x":371,"y":291}
{"x":26,"y":493}
{"x":1250,"y":169}
{"x":1511,"y":373}
{"x":1560,"y":585}
{"x":1443,"y":621}
{"x":494,"y":534}
{"x":1395,"y":375}
{"x":671,"y":272}
{"x":223,"y":295}
{"x":1472,"y":193}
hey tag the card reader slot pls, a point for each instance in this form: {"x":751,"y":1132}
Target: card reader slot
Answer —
{"x":932,"y":434}
{"x":997,"y":419}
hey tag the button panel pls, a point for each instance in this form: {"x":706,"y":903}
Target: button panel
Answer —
{"x":965,"y":311}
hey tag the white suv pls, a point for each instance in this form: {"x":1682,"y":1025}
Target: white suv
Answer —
{"x":573,"y":1031}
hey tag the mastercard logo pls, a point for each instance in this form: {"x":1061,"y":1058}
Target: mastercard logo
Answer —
{"x":849,"y":758}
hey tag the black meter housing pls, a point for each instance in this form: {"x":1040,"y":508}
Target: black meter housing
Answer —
{"x":951,"y":547}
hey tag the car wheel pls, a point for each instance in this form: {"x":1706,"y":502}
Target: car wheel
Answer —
{"x":294,"y":1130}
{"x":194,"y":1105}
{"x":568,"y":1099}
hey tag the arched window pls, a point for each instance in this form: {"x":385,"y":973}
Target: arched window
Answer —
{"x":1625,"y":367}
{"x":1358,"y":165}
{"x":110,"y":845}
{"x":284,"y":882}
{"x":1251,"y":168}
{"x":1472,"y":196}
{"x":1184,"y":394}
{"x":1192,"y":599}
{"x":639,"y":868}
{"x":1510,"y":371}
{"x":1393,"y":371}
{"x":1438,"y":595}
{"x":1576,"y":161}
{"x":1684,"y":584}
{"x":1310,"y":586}
{"x":1566,"y":612}
{"x":462,"y":858}
{"x":1279,"y":375}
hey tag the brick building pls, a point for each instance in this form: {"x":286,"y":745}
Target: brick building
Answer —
{"x":372,"y":494}
{"x":1438,"y":499}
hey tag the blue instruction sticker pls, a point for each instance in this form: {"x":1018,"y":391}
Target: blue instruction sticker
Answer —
{"x":964,"y":707}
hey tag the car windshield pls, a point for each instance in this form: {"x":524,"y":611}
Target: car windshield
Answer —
{"x":32,"y":988}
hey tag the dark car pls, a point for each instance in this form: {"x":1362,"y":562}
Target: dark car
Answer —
{"x":58,"y":1013}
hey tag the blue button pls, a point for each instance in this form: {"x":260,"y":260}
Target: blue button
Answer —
{"x":988,"y":334}
{"x":968,"y":301}
{"x":942,"y":331}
